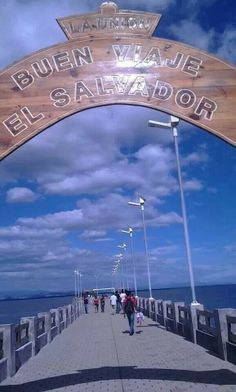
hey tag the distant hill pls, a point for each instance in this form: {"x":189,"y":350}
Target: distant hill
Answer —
{"x":7,"y":295}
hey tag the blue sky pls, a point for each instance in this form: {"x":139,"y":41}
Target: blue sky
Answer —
{"x":64,"y":195}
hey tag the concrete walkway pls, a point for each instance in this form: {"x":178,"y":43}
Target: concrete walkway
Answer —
{"x":96,"y":353}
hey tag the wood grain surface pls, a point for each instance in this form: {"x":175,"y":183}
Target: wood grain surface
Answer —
{"x":56,"y":82}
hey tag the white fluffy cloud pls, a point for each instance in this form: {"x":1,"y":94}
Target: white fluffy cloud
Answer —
{"x":20,"y":195}
{"x":109,"y":212}
{"x":198,"y":38}
{"x":93,"y":234}
{"x":227,"y":45}
{"x":22,"y":35}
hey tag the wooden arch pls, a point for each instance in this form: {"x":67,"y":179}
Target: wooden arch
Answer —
{"x":111,"y":57}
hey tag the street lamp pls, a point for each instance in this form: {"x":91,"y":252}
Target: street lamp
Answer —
{"x":141,"y":205}
{"x":120,"y":257}
{"x":76,"y":273}
{"x":130,"y":232}
{"x":96,"y":278}
{"x":115,"y":270}
{"x":172,"y":125}
{"x":80,"y":280}
{"x":123,"y":247}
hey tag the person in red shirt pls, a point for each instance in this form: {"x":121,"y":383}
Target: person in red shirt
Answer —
{"x":130,"y":305}
{"x":96,"y":303}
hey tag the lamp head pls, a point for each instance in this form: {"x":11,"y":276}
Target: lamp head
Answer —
{"x":141,"y":200}
{"x":123,"y":246}
{"x":159,"y":124}
{"x":131,"y":203}
{"x":174,"y":121}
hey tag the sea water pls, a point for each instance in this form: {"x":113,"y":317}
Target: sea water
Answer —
{"x":212,"y":297}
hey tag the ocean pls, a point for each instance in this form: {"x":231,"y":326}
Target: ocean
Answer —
{"x":12,"y":310}
{"x":212,"y":297}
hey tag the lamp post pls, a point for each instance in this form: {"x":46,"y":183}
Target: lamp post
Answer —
{"x":141,"y":205}
{"x":120,"y":261}
{"x":172,"y":125}
{"x":80,"y":280}
{"x":123,"y":247}
{"x":114,"y":272}
{"x":79,"y":287}
{"x":76,"y":273}
{"x":96,"y":280}
{"x":112,"y":279}
{"x":130,"y":232}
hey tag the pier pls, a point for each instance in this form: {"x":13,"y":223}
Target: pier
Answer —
{"x":96,"y":353}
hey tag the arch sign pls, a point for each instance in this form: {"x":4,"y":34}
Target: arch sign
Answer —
{"x":111,"y":57}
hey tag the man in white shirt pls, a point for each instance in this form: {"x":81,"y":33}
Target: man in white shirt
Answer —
{"x":113,"y":299}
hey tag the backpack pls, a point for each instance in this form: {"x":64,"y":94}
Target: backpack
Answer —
{"x":129,"y":306}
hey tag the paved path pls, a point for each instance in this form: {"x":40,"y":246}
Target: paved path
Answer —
{"x":96,"y":353}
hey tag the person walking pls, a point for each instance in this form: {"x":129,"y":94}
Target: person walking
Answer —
{"x":102,"y":303}
{"x":96,"y":304}
{"x":86,"y":304}
{"x":129,"y":309}
{"x":113,"y":300}
{"x":118,"y":302}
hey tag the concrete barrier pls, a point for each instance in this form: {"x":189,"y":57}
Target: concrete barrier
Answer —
{"x":160,"y":312}
{"x":208,"y":333}
{"x":187,"y":321}
{"x":152,"y":309}
{"x":20,"y":342}
{"x":231,"y":342}
{"x":172,"y":314}
{"x":214,"y":330}
{"x":24,"y":345}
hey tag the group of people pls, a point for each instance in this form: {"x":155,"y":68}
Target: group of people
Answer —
{"x":124,"y":302}
{"x":127,"y":303}
{"x":96,"y":301}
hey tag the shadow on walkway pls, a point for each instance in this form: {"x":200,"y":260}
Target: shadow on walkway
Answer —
{"x":215,"y":377}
